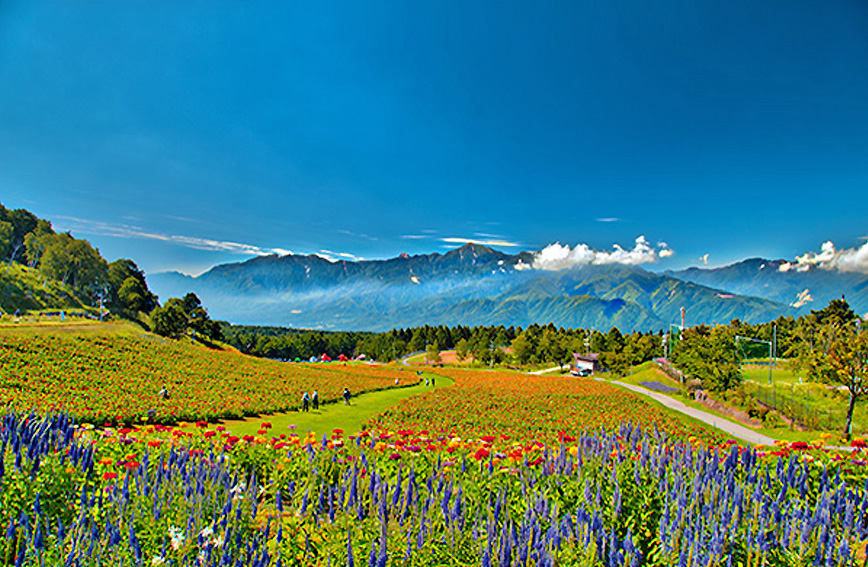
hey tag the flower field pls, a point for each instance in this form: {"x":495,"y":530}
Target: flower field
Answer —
{"x":531,"y":408}
{"x":501,"y":469}
{"x":194,"y":495}
{"x":113,"y":378}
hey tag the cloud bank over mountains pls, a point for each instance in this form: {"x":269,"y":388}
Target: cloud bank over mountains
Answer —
{"x":562,"y":257}
{"x":831,"y":258}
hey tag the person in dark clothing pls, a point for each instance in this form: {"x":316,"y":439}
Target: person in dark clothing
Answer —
{"x":315,"y":400}
{"x":346,"y":396}
{"x":305,"y":400}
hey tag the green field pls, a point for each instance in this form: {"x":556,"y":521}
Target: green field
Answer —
{"x":336,"y":415}
{"x":817,"y":406}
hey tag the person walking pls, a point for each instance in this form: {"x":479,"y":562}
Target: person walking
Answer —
{"x":346,"y":397}
{"x":305,"y":400}
{"x":315,"y":400}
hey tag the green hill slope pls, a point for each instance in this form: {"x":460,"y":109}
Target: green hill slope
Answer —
{"x":23,"y":288}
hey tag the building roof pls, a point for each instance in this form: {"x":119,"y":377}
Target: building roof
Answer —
{"x":593,"y":357}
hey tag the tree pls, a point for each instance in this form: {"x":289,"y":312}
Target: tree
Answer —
{"x":709,"y":355}
{"x":6,"y":232}
{"x":133,"y":297}
{"x":170,"y":320}
{"x":129,"y":291}
{"x":462,"y":350}
{"x":522,"y":348}
{"x":432,"y":354}
{"x":838,"y":312}
{"x":417,"y":343}
{"x":180,"y":316}
{"x":23,"y":222}
{"x":480,"y":348}
{"x":837,"y":353}
{"x":72,"y":260}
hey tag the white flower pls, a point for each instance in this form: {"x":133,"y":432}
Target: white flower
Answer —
{"x":157,"y":560}
{"x":206,"y":532}
{"x":177,"y":537}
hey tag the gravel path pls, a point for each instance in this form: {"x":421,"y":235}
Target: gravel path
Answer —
{"x":733,"y":429}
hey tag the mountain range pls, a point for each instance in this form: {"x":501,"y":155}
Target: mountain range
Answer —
{"x":477,"y":285}
{"x":802,"y":287}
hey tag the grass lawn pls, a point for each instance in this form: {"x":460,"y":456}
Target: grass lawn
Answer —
{"x":336,"y":416}
{"x":818,"y":405}
{"x":781,"y":373}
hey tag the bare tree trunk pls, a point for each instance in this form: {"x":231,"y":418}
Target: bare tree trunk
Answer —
{"x":849,"y":429}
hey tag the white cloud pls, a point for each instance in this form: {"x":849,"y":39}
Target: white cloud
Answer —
{"x":337,"y":256}
{"x":560,"y":257}
{"x":704,"y":258}
{"x":665,"y":251}
{"x":830,"y":258}
{"x":456,"y":240}
{"x":608,"y":219}
{"x":130,"y":231}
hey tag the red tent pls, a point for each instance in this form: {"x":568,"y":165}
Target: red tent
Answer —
{"x":325,"y":358}
{"x":342,"y":358}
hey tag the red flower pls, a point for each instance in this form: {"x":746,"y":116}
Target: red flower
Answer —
{"x":480,"y":454}
{"x":799,"y":445}
{"x":860,"y":443}
{"x":109,"y":475}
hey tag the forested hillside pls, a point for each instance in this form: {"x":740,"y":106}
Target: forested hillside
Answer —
{"x":45,"y":269}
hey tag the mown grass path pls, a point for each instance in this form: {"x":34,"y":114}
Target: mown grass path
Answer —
{"x":329,"y":417}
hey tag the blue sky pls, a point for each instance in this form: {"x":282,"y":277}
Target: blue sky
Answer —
{"x":186,"y":134}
